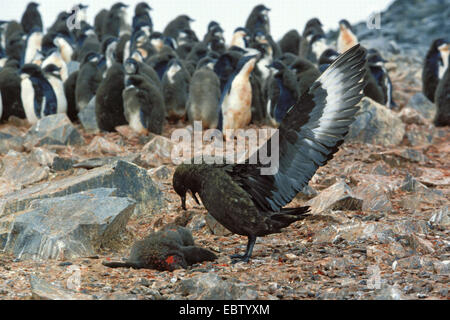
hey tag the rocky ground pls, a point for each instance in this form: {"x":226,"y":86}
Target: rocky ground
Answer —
{"x":70,"y":199}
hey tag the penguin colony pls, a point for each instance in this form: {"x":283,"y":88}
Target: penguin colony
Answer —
{"x":138,"y":76}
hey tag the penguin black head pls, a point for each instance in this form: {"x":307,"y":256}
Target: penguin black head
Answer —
{"x":32,"y":5}
{"x":261,"y":9}
{"x":374,"y":58}
{"x":313,"y":23}
{"x":53,"y":70}
{"x":277,"y":65}
{"x":208,"y":62}
{"x":317,"y":37}
{"x":437,"y":43}
{"x":31,"y":70}
{"x":142,"y":8}
{"x":119,"y":7}
{"x":344,"y":24}
{"x":83,"y":6}
{"x":328,"y":56}
{"x":186,"y":18}
{"x":92,"y":57}
{"x":260,"y":36}
{"x":214,"y":25}
{"x":108,"y":42}
{"x":245,"y":59}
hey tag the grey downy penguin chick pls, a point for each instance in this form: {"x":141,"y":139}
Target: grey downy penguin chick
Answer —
{"x":175,"y":84}
{"x":204,"y":95}
{"x":143,"y":105}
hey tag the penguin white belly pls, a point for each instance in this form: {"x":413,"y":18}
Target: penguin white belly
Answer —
{"x":34,"y":45}
{"x":27,"y":96}
{"x":319,"y":47}
{"x":3,"y":62}
{"x":126,"y":51}
{"x":66,"y":51}
{"x":262,"y":67}
{"x":135,"y":122}
{"x":58,"y":88}
{"x":236,"y":106}
{"x":443,"y":67}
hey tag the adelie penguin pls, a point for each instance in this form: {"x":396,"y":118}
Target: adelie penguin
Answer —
{"x":250,"y":202}
{"x":54,"y":57}
{"x":433,"y":69}
{"x":283,"y":92}
{"x":347,"y":38}
{"x":258,"y":19}
{"x":109,"y":100}
{"x":88,"y":80}
{"x":180,"y":23}
{"x":142,"y":17}
{"x":313,"y":27}
{"x":37,"y":94}
{"x":241,"y":38}
{"x":143,"y":105}
{"x":235,"y":110}
{"x":137,"y":67}
{"x":442,"y":96}
{"x":32,"y":18}
{"x":204,"y":95}
{"x":170,"y":249}
{"x":376,"y":65}
{"x":175,"y":86}
{"x":53,"y":75}
{"x":33,"y":45}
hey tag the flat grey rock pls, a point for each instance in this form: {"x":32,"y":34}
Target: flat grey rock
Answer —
{"x":130,"y":181}
{"x":53,"y":130}
{"x":376,"y":124}
{"x":68,"y":227}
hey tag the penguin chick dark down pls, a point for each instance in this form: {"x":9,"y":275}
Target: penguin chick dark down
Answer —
{"x":249,"y":201}
{"x":143,"y":105}
{"x":175,"y":85}
{"x":31,"y":18}
{"x":204,"y":96}
{"x":167,"y":250}
{"x":109,"y":101}
{"x":88,"y":80}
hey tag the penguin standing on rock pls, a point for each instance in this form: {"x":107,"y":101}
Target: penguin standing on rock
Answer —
{"x":175,"y":85}
{"x":143,"y":105}
{"x":53,"y":76}
{"x":347,"y":38}
{"x":88,"y":80}
{"x":433,"y":68}
{"x":204,"y":95}
{"x":10,"y":89}
{"x":38,"y":98}
{"x":32,"y":18}
{"x":442,"y":97}
{"x":109,"y":101}
{"x":236,"y":100}
{"x":377,"y":68}
{"x":283,"y":92}
{"x":258,"y":19}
